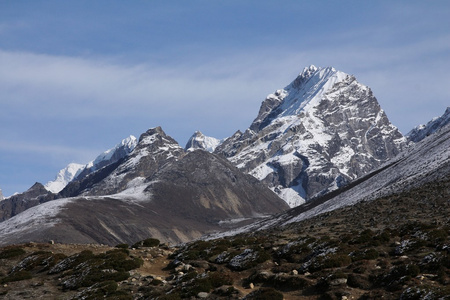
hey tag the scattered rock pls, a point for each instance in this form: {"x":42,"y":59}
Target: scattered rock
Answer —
{"x":338,"y":281}
{"x":202,"y":295}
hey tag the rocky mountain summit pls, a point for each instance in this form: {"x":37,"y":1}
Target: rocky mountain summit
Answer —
{"x":200,"y":141}
{"x":317,"y":134}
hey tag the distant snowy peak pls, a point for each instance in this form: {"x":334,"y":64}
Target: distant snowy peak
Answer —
{"x":78,"y":171}
{"x":200,"y":141}
{"x":119,"y":151}
{"x":1,"y":195}
{"x":64,"y":176}
{"x":422,"y":131}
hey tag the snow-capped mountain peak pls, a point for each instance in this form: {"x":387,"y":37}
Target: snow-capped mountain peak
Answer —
{"x":307,"y":90}
{"x":321,"y":131}
{"x":64,"y":176}
{"x":125,"y":146}
{"x":77,"y":171}
{"x":309,"y":87}
{"x":200,"y":141}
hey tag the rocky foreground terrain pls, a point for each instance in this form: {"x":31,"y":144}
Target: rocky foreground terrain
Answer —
{"x":397,"y":247}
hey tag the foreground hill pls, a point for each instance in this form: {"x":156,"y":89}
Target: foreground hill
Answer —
{"x":396,"y":247}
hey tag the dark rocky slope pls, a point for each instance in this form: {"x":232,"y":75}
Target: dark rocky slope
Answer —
{"x":396,"y":247}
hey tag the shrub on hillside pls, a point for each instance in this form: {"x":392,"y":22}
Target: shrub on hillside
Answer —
{"x":16,"y":276}
{"x":11,"y":252}
{"x":150,"y":242}
{"x":265,"y":294}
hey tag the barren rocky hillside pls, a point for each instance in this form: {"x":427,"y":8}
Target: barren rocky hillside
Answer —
{"x":397,"y":247}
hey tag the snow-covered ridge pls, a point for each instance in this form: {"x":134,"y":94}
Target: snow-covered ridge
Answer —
{"x":422,"y":131}
{"x":200,"y":141}
{"x":74,"y":170}
{"x":308,"y":89}
{"x":64,"y":176}
{"x":127,"y":145}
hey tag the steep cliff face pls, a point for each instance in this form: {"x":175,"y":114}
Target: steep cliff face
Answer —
{"x":318,"y":133}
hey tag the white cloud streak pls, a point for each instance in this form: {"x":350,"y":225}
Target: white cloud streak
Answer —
{"x":215,"y":89}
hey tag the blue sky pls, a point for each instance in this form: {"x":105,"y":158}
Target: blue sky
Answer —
{"x":76,"y":77}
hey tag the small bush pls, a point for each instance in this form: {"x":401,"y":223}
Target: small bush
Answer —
{"x":364,"y":237}
{"x":336,"y":261}
{"x":11,"y":252}
{"x":265,"y":294}
{"x":438,"y":235}
{"x":206,"y":284}
{"x":122,"y":246}
{"x":16,"y":276}
{"x":150,"y":242}
{"x":219,"y":279}
{"x":384,"y":237}
{"x":366,"y":254}
{"x":288,"y":282}
{"x":174,"y":296}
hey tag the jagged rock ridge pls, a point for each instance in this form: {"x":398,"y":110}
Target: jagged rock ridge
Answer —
{"x":317,"y":134}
